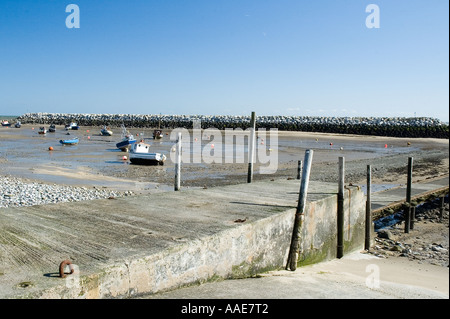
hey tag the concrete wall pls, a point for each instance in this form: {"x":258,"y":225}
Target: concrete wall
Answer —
{"x":319,"y":233}
{"x":241,"y":251}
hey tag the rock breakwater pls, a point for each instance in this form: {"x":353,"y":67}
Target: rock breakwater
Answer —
{"x":378,"y":126}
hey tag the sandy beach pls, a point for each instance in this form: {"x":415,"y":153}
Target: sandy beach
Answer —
{"x":95,"y":161}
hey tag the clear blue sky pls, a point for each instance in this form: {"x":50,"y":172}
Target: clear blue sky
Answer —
{"x":214,"y":57}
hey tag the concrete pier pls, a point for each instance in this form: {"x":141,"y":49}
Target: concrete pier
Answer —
{"x":123,"y":247}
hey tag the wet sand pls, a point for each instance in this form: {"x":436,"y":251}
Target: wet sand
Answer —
{"x":96,"y":161}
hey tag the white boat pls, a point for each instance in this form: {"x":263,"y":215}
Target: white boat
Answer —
{"x":140,"y":153}
{"x":42,"y":130}
{"x":105,"y":131}
{"x":72,"y":126}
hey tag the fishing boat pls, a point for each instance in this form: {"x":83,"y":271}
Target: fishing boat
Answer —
{"x":127,"y":140}
{"x":105,"y":131}
{"x":42,"y":130}
{"x":72,"y":126}
{"x":157,"y":134}
{"x":52,"y":128}
{"x":18,"y":124}
{"x":71,"y":141}
{"x":6,"y":123}
{"x":140,"y":154}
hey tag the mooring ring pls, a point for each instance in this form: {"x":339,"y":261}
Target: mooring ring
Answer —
{"x":63,"y":265}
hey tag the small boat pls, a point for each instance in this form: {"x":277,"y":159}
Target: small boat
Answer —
{"x":72,"y":126}
{"x":42,"y":130}
{"x":52,"y":128}
{"x":105,"y":131}
{"x":18,"y":124}
{"x":127,"y":140}
{"x":6,"y":123}
{"x":71,"y":141}
{"x":157,"y":134}
{"x":140,"y":154}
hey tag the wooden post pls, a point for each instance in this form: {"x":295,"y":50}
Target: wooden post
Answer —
{"x":178,"y":163}
{"x":368,"y":210}
{"x":299,"y":214}
{"x":413,"y":216}
{"x":299,"y":169}
{"x":251,"y":150}
{"x":408,"y":195}
{"x":441,"y":208}
{"x":340,"y":212}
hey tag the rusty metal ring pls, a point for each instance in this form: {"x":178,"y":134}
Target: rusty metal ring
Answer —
{"x":63,"y":265}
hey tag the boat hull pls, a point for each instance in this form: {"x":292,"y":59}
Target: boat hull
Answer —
{"x":147,"y":159}
{"x":125,"y":145}
{"x":69,"y":142}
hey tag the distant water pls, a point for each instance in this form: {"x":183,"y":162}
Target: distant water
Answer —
{"x":8,"y":117}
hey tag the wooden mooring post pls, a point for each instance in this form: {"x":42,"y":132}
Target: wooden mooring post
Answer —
{"x":407,"y":210}
{"x":340,"y":209}
{"x":178,"y":163}
{"x":368,"y":209}
{"x":251,"y":149}
{"x":441,"y":209}
{"x":413,"y":216}
{"x":299,"y":214}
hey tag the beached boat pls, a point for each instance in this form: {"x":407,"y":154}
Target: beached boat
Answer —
{"x":71,"y":141}
{"x":140,"y":154}
{"x":42,"y":130}
{"x":72,"y":126}
{"x":6,"y":123}
{"x":158,"y":134}
{"x":127,"y":140}
{"x":52,"y":128}
{"x":105,"y":131}
{"x":18,"y":124}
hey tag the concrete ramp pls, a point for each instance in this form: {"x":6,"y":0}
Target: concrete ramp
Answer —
{"x":146,"y":244}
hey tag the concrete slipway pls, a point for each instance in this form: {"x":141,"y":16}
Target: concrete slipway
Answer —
{"x":138,"y":245}
{"x":129,"y":246}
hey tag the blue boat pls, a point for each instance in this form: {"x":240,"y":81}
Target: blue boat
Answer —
{"x":71,"y":141}
{"x":127,"y":140}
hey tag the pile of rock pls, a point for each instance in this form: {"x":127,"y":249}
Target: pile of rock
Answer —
{"x":417,"y":245}
{"x":382,"y":126}
{"x":16,"y":192}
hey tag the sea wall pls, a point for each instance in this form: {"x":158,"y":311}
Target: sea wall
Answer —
{"x":235,"y":252}
{"x":380,"y":126}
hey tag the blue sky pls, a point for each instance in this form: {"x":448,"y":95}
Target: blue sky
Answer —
{"x":215,"y":57}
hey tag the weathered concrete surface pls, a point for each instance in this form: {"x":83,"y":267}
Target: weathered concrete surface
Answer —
{"x":396,"y":196}
{"x":146,"y":244}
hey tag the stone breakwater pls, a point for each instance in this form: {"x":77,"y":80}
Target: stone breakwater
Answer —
{"x":15,"y":192}
{"x":380,"y":126}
